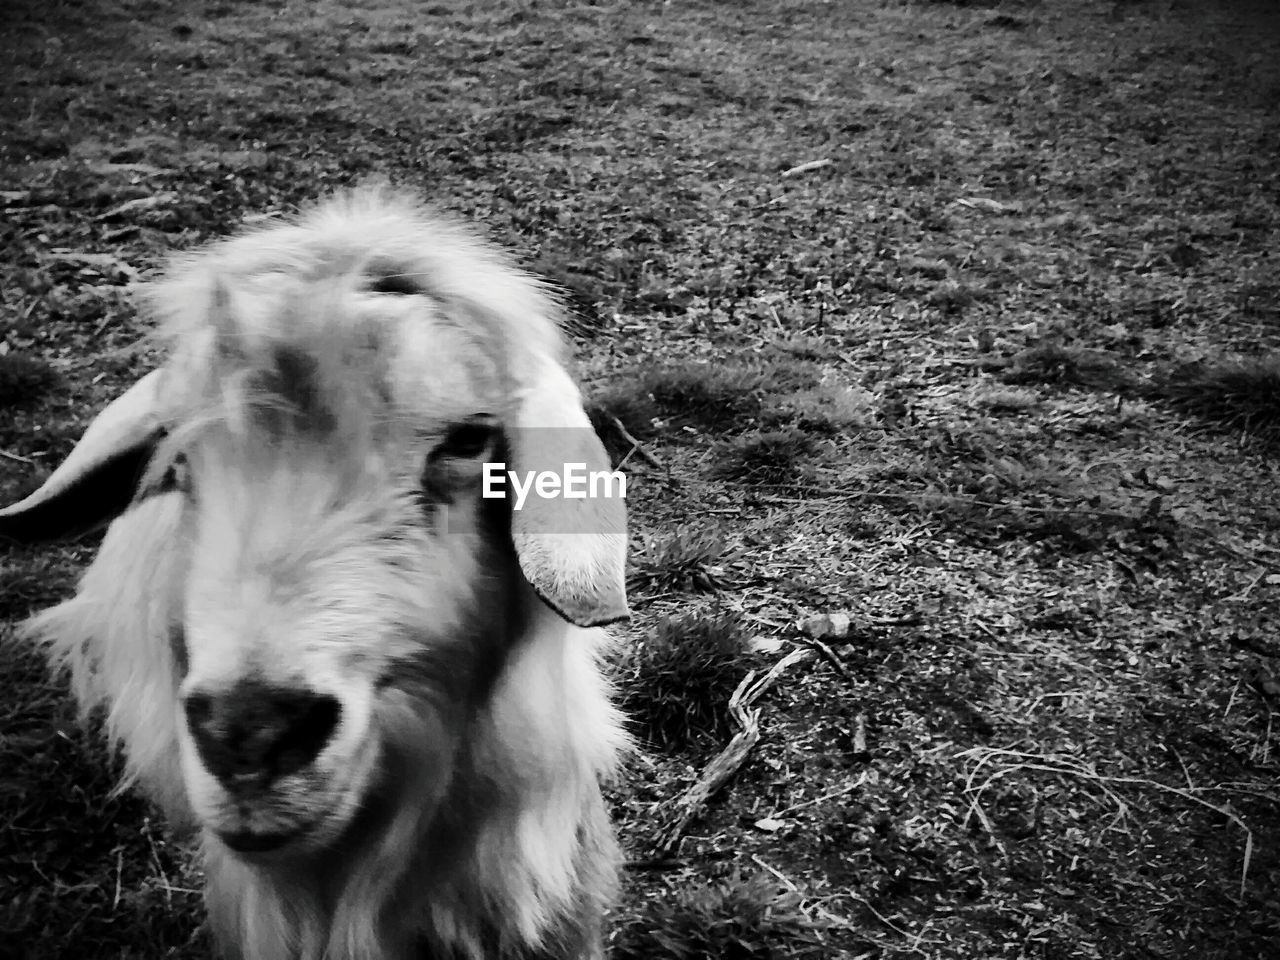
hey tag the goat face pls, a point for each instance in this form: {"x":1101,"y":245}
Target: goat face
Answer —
{"x":342,"y":570}
{"x":332,"y":614}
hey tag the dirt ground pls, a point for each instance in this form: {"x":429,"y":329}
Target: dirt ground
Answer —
{"x":909,"y":305}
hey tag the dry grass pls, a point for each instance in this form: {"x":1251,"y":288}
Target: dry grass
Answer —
{"x":725,"y":396}
{"x":1054,"y":362}
{"x":957,"y":326}
{"x":742,"y":918}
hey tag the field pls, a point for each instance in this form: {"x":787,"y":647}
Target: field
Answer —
{"x":941,"y":342}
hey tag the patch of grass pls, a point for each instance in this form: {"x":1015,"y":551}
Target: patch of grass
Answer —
{"x":680,"y":560}
{"x":806,"y":347}
{"x":980,"y":523}
{"x":1240,"y":394}
{"x":952,"y":297}
{"x":712,"y":397}
{"x":721,"y":397}
{"x":744,"y":918}
{"x":997,"y":399}
{"x":985,"y":486}
{"x":33,"y":584}
{"x":23,"y":379}
{"x":1001,"y":477}
{"x":1057,"y":363}
{"x":769,"y":456}
{"x":784,"y":376}
{"x":826,"y":409}
{"x":100,"y":878}
{"x":682,"y":675}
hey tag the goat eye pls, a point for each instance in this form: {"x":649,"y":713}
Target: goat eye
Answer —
{"x":470,"y":439}
{"x":394,"y":283}
{"x":455,"y":463}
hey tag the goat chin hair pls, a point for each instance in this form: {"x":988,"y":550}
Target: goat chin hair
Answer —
{"x":274,"y":527}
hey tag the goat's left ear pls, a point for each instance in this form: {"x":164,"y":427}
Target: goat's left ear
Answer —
{"x":100,"y":478}
{"x":572,"y":549}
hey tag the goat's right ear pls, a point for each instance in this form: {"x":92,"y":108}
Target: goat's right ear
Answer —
{"x":99,"y":479}
{"x":572,"y":549}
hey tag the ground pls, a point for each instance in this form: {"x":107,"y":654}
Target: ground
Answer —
{"x":993,"y":376}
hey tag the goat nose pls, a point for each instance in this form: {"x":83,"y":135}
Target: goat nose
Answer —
{"x":254,"y":733}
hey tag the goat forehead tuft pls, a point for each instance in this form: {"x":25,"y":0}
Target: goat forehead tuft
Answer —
{"x":364,"y":302}
{"x":371,"y":234}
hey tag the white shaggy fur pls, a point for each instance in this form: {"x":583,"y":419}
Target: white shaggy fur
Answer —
{"x":315,"y":366}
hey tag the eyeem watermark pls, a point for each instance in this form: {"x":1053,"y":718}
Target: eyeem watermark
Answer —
{"x":559,"y":480}
{"x":574,"y":482}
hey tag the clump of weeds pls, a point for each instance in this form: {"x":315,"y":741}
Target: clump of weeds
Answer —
{"x":681,"y":676}
{"x":767,"y":457}
{"x":683,"y":560}
{"x":24,"y":379}
{"x":719,"y":397}
{"x":1240,"y":394}
{"x":742,"y":918}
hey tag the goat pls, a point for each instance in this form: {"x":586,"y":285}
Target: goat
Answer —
{"x":374,"y":693}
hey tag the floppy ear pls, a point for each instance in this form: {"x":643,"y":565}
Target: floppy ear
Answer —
{"x":99,"y":479}
{"x":572,"y":549}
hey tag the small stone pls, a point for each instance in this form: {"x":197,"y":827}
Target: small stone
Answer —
{"x":826,"y":626}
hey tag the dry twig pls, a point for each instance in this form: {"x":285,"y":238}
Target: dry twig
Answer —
{"x":827,"y":654}
{"x":1069,"y":766}
{"x":636,"y":446}
{"x":806,"y":167}
{"x":732,"y":757}
{"x":813,"y":802}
